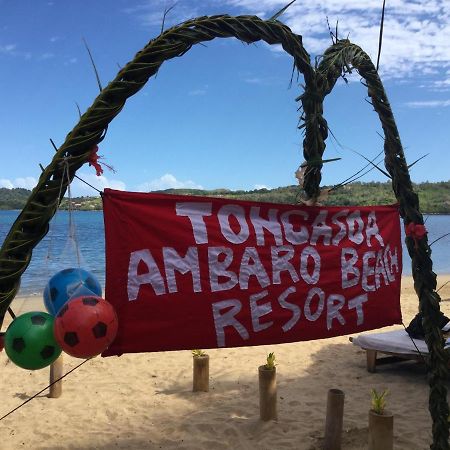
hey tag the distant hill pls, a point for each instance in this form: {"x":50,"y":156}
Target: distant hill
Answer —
{"x":13,"y":198}
{"x":434,"y":197}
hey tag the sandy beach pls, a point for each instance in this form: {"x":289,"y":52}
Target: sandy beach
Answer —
{"x":146,"y":401}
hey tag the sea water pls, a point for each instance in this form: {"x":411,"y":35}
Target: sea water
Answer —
{"x":64,"y":246}
{"x":83,"y":245}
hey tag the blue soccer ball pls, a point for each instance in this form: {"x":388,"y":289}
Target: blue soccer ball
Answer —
{"x":69,"y":283}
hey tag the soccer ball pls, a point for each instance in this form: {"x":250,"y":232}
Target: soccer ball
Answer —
{"x":85,"y":326}
{"x":69,"y":283}
{"x":29,"y":341}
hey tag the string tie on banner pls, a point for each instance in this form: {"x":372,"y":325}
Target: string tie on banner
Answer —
{"x":93,"y":161}
{"x":416,"y":231}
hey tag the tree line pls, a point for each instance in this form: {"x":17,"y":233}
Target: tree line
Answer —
{"x":434,"y":197}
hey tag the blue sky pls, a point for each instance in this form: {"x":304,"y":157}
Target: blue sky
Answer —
{"x":222,"y":116}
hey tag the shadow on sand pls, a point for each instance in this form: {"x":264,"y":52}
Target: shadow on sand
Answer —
{"x":228,"y":416}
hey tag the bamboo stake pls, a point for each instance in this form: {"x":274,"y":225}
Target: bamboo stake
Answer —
{"x":200,"y":381}
{"x":56,"y":371}
{"x":334,"y":420}
{"x":267,"y":393}
{"x":381,"y":431}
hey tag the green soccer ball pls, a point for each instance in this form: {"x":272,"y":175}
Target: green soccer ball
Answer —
{"x":29,"y":341}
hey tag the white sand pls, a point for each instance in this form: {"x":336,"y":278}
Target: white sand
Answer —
{"x":146,"y":401}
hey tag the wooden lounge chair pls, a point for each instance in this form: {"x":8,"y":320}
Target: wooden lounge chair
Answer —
{"x":395,"y":345}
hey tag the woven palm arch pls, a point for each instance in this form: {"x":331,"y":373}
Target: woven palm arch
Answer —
{"x":33,"y":222}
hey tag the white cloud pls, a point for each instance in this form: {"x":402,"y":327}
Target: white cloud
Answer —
{"x":77,"y":187}
{"x":441,"y":85}
{"x":261,"y":186}
{"x":428,"y":104}
{"x":254,"y":80}
{"x":196,"y":92}
{"x":71,"y":61}
{"x":11,"y":50}
{"x":261,"y":81}
{"x":26,"y":183}
{"x":80,"y":189}
{"x":8,"y":49}
{"x":151,"y":13}
{"x":167,"y":181}
{"x":47,"y":56}
{"x":415,"y":39}
{"x":4,"y":183}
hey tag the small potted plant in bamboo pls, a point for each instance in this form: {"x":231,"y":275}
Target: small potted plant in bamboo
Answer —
{"x":381,"y":423}
{"x":268,"y":389}
{"x":200,"y":379}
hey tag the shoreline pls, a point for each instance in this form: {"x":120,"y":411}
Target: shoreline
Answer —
{"x":424,"y":213}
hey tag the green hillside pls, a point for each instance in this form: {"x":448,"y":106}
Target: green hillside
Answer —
{"x":434,"y":197}
{"x":13,"y":198}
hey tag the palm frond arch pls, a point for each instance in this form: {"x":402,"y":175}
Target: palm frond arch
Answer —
{"x":342,"y":57}
{"x":33,"y":222}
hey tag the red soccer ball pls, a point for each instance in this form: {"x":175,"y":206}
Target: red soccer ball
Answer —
{"x":85,"y":326}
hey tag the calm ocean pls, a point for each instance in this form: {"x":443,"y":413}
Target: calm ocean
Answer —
{"x":57,"y":251}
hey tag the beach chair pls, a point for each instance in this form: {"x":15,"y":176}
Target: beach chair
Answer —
{"x":394,"y":345}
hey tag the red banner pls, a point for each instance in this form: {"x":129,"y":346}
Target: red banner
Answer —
{"x":189,"y":272}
